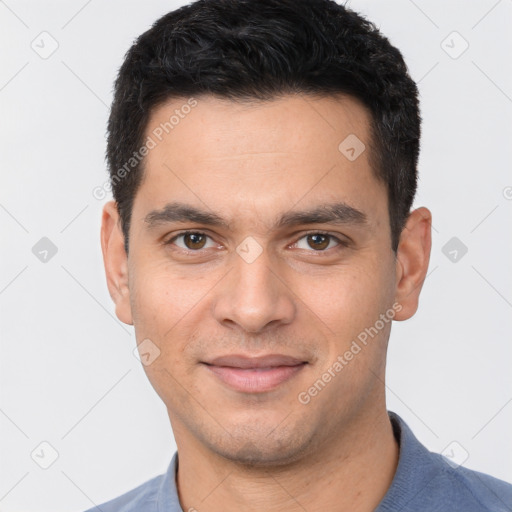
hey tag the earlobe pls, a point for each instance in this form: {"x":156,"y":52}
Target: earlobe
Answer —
{"x":115,"y":261}
{"x":412,"y":261}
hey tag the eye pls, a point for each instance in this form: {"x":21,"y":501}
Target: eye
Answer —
{"x":318,"y":241}
{"x":191,"y":241}
{"x":194,"y":241}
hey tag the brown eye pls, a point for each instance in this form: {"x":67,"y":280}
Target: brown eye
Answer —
{"x":191,"y":241}
{"x":194,"y":240}
{"x":318,"y":241}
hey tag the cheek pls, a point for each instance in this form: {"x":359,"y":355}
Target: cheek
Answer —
{"x":169,"y":310}
{"x":160,"y":299}
{"x":347,"y":306}
{"x":347,"y":298}
{"x":163,"y":309}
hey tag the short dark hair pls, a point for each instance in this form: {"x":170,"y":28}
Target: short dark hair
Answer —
{"x":260,"y":50}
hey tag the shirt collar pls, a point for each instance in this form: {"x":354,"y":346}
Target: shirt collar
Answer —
{"x":168,"y":492}
{"x":416,"y":468}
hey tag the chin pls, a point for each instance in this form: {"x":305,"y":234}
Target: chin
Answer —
{"x":260,"y":449}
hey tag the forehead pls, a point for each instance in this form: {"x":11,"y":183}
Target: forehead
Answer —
{"x":292,"y":123}
{"x":259,"y":157}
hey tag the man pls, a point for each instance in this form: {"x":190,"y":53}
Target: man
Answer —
{"x":263,"y":162}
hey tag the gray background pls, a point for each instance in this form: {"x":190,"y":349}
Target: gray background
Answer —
{"x":68,"y":374}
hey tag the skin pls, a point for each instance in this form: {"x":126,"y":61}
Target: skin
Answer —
{"x":250,"y":164}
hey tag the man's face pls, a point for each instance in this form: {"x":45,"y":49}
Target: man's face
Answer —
{"x":298,"y":290}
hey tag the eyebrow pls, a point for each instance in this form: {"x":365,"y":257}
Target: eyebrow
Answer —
{"x":330,"y":213}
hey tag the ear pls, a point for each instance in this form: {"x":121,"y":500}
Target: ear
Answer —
{"x":115,"y":261}
{"x":413,"y":256}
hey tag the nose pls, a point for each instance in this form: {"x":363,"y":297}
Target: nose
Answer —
{"x":254,"y":297}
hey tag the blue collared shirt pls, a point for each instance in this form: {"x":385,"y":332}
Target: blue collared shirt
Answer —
{"x":423,"y":482}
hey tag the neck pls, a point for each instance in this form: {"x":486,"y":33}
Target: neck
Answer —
{"x":351,"y":472}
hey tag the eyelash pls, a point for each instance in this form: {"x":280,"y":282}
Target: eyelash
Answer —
{"x":341,"y":243}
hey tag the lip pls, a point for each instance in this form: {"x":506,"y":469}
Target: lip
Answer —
{"x":255,"y":374}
